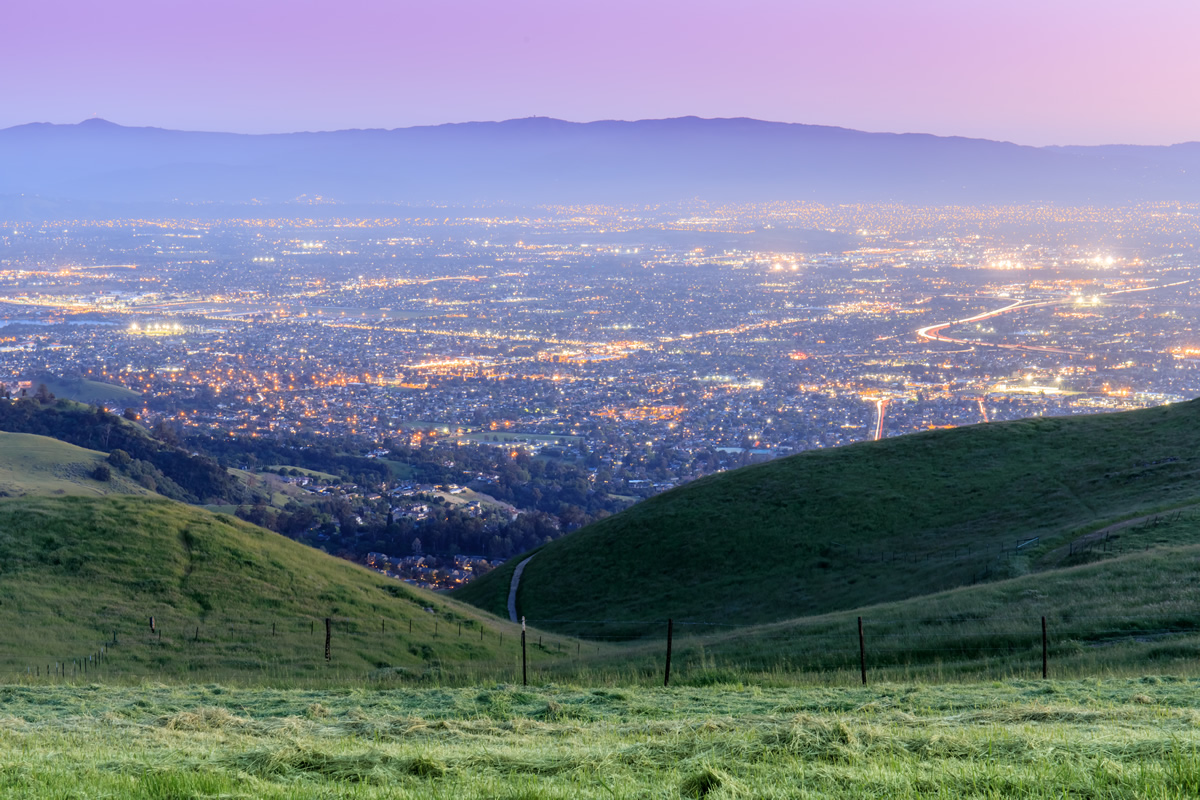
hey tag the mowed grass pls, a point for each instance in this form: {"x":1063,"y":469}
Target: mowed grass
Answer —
{"x":1026,"y":739}
{"x":40,"y":465}
{"x":80,"y":579}
{"x":865,"y":524}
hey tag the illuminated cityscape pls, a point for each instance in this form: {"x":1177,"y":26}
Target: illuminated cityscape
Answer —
{"x":638,"y":348}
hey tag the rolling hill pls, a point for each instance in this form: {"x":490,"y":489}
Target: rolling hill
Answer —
{"x":871,"y":523}
{"x":82,"y":577}
{"x":39,"y":465}
{"x":1125,"y":614}
{"x":82,"y":390}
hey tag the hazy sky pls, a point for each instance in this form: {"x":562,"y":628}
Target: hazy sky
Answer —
{"x":1029,"y":71}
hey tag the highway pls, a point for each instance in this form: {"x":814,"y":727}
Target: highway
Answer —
{"x":881,"y":408}
{"x":933,"y":333}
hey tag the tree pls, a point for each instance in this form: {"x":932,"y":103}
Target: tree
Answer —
{"x":165,"y":433}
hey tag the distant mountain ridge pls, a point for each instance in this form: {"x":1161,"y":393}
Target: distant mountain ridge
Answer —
{"x":541,"y":160}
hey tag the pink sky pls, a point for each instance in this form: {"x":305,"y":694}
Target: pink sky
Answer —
{"x":1033,"y":72}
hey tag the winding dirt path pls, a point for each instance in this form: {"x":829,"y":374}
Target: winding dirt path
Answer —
{"x":512,"y":589}
{"x":1087,"y":538}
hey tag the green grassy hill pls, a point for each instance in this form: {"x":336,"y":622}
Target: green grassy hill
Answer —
{"x":229,"y":600}
{"x":1131,"y":614}
{"x":82,"y":390}
{"x":869,"y":523}
{"x":40,"y":465}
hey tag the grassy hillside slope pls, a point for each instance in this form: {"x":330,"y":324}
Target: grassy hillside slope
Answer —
{"x":82,"y":390}
{"x":869,"y":523}
{"x":229,"y":600}
{"x":32,"y":464}
{"x":1133,"y":614}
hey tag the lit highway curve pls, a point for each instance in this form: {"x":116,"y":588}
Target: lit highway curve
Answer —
{"x":933,"y":333}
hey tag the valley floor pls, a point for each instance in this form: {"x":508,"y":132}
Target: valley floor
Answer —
{"x":1096,"y":738}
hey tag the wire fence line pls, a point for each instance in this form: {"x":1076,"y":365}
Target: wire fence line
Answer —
{"x":1009,"y":643}
{"x":1026,"y":643}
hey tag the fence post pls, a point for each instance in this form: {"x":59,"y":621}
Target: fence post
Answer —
{"x":328,"y":631}
{"x":524,"y":663}
{"x":1044,"y":671}
{"x":152,"y":624}
{"x":862,"y":653}
{"x":670,"y":632}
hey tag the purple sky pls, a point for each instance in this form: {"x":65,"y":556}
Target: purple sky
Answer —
{"x":1029,"y":71}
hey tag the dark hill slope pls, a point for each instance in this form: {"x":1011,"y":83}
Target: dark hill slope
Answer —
{"x":869,"y":523}
{"x":229,"y":600}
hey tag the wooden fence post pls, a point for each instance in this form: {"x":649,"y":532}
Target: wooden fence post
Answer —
{"x":670,"y":632}
{"x":862,"y":653}
{"x":524,"y":662}
{"x":1044,"y":653}
{"x":328,"y":632}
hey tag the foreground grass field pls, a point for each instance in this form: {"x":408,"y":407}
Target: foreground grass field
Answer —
{"x":1030,"y":739}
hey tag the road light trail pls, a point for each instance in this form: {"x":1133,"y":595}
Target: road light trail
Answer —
{"x":933,"y":333}
{"x":881,"y":408}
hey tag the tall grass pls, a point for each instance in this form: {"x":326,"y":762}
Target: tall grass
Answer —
{"x":1013,"y":739}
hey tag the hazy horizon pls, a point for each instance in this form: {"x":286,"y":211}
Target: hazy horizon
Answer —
{"x":1073,"y":73}
{"x":122,"y":124}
